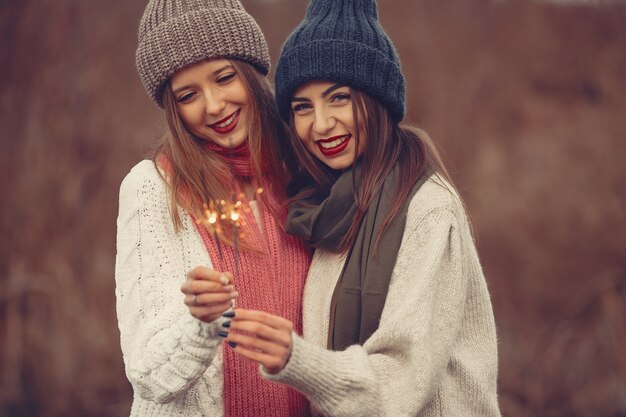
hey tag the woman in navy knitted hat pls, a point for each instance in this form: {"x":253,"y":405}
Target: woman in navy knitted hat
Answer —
{"x":397,"y":316}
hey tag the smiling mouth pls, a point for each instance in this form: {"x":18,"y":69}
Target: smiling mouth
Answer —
{"x":333,"y":146}
{"x":227,"y":124}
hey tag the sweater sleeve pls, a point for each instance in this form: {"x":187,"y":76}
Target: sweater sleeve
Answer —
{"x":398,"y":369}
{"x":165,"y":349}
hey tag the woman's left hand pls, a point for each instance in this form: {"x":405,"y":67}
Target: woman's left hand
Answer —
{"x":266,"y":338}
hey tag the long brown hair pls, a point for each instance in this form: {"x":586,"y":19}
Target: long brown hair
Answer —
{"x":388,"y":145}
{"x":196,"y":175}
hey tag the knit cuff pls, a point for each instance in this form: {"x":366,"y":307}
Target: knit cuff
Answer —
{"x":200,"y":333}
{"x":322,"y":375}
{"x":294,"y":372}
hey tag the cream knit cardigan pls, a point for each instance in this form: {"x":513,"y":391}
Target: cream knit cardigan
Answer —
{"x":434,"y":353}
{"x":172,"y":360}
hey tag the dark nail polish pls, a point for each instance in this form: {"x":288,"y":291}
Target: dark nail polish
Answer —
{"x":223,"y":334}
{"x":226,"y":324}
{"x":232,"y":344}
{"x":229,"y":314}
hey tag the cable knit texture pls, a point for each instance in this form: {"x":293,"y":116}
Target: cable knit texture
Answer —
{"x":434,"y":353}
{"x":173,"y":361}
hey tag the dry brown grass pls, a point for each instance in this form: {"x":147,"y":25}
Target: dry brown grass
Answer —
{"x":526,"y":99}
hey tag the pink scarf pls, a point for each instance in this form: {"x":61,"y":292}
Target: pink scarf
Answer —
{"x":273,"y":282}
{"x":237,"y":157}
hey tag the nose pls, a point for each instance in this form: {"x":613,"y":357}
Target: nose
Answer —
{"x":214,"y":103}
{"x":324,"y":121}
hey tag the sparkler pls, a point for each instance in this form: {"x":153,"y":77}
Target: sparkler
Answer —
{"x":234,"y":214}
{"x":234,"y":217}
{"x":210,"y":222}
{"x":230,"y":212}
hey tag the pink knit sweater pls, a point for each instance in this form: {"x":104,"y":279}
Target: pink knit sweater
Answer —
{"x":271,"y":281}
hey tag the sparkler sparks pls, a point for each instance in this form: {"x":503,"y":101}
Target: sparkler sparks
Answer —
{"x":210,"y":222}
{"x":231,"y":214}
{"x":217,"y":214}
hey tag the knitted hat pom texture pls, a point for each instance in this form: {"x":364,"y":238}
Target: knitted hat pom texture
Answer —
{"x":342,"y":41}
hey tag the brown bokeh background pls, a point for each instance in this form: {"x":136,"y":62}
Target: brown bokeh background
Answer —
{"x":526,"y":99}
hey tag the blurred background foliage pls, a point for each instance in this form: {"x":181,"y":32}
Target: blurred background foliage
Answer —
{"x":525,"y":98}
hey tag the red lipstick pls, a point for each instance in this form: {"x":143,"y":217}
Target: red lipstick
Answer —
{"x":334,"y":145}
{"x":227,"y":124}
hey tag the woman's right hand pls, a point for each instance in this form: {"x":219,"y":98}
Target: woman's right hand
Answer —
{"x":208,"y":293}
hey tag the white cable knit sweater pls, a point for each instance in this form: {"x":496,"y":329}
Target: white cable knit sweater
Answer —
{"x":434,"y":353}
{"x":173,"y":361}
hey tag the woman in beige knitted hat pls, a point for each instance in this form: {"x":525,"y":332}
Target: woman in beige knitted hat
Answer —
{"x":210,"y":200}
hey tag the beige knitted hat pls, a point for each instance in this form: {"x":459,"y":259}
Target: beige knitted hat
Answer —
{"x":176,"y":33}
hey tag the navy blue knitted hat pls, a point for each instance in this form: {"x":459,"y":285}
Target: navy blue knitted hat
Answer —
{"x":341,"y":41}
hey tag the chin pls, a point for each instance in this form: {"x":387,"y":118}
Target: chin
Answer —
{"x":227,"y":142}
{"x":338,"y":164}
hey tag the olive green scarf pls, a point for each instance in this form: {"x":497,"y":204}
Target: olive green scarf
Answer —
{"x":361,"y":291}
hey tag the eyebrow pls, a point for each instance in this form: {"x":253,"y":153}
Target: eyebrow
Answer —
{"x":214,"y":73}
{"x":324,"y":93}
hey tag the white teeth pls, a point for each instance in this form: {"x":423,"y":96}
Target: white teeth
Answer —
{"x":228,"y":121}
{"x":333,"y":144}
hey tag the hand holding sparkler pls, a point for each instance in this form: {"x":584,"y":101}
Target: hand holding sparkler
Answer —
{"x":208,"y":293}
{"x":262,"y":337}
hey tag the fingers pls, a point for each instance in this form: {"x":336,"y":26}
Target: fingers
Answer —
{"x":272,"y":363}
{"x":209,"y":313}
{"x":262,"y":317}
{"x":202,"y":299}
{"x":208,"y":293}
{"x":258,"y":344}
{"x":198,"y":286}
{"x":205,"y":280}
{"x":261,"y":337}
{"x":266,"y":335}
{"x":208,"y":274}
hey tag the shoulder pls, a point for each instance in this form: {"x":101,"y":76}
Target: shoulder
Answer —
{"x":144,"y":171}
{"x":144,"y":190}
{"x":144,"y":178}
{"x":436,"y":194}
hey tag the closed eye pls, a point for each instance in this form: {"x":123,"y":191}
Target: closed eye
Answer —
{"x":185,"y":98}
{"x":226,"y":78}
